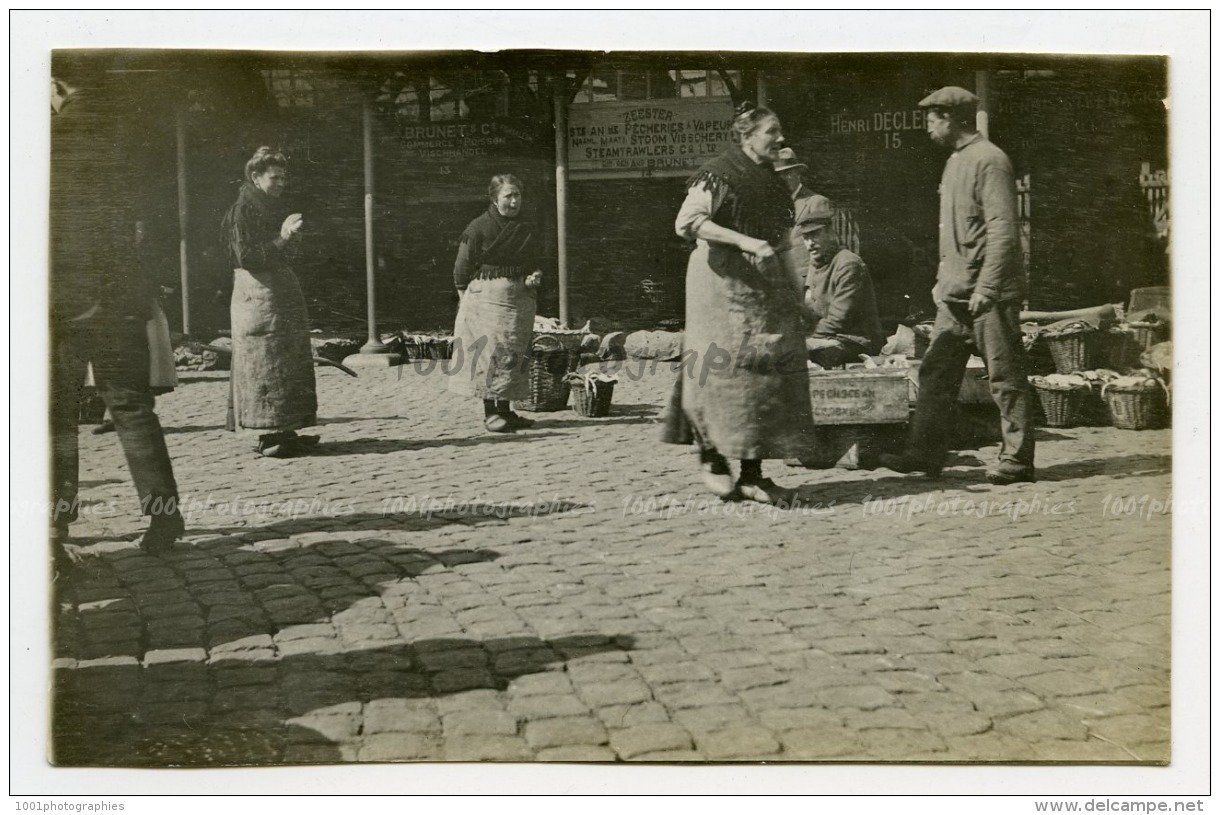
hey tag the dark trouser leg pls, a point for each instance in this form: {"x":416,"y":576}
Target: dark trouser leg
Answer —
{"x":940,"y":381}
{"x":144,"y":446}
{"x":122,"y":380}
{"x":751,"y":469}
{"x":503,"y":407}
{"x":489,"y":407}
{"x":67,"y":382}
{"x":997,"y":334}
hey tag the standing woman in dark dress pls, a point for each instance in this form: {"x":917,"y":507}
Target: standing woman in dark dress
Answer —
{"x":272,"y":374}
{"x":749,"y":396}
{"x":497,"y":277}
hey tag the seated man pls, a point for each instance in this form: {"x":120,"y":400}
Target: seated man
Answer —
{"x":838,"y":294}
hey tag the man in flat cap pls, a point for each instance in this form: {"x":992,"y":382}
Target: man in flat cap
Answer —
{"x":838,"y":293}
{"x":790,"y":170}
{"x":978,"y":294}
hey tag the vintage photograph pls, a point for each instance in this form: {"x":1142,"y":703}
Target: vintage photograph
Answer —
{"x":616,"y":406}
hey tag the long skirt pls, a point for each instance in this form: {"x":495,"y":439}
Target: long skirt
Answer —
{"x":744,"y":382}
{"x":492,"y":334}
{"x":272,"y":372}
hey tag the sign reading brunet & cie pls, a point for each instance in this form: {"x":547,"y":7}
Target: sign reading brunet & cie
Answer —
{"x":444,"y":161}
{"x":657,"y":138}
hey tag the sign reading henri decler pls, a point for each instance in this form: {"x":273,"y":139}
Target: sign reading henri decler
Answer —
{"x":644,"y":139}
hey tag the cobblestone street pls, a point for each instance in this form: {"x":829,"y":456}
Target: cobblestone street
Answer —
{"x":422,"y":590}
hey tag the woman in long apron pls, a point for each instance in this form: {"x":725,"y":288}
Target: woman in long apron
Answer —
{"x":497,"y":277}
{"x":272,"y":376}
{"x":747,"y":395}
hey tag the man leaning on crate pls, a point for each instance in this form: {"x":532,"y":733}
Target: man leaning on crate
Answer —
{"x":838,"y":293}
{"x":978,"y":293}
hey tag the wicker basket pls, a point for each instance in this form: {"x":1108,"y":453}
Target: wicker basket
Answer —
{"x":1038,"y":360}
{"x":1121,"y":349}
{"x":1073,"y":351}
{"x":1061,"y":407}
{"x":593,"y":402}
{"x":1149,"y":334}
{"x":550,"y":362}
{"x":1136,"y":408}
{"x":439,"y":348}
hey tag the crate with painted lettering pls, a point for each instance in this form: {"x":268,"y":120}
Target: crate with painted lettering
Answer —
{"x":859,"y":396}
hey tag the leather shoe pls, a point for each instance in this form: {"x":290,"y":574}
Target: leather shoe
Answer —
{"x":766,"y":491}
{"x":497,"y":424}
{"x":162,"y":532}
{"x":517,"y":422}
{"x":305,"y":441}
{"x":276,"y":449}
{"x":902,"y":463}
{"x":1009,"y":472}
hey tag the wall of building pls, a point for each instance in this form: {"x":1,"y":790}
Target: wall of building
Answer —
{"x":1079,"y":130}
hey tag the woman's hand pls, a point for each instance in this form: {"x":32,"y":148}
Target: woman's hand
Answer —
{"x":291,"y":226}
{"x":759,"y":249}
{"x":534,"y":280}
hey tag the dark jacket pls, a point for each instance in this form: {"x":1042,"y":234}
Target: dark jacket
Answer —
{"x":843,"y":301}
{"x":92,"y":215}
{"x":980,"y":247}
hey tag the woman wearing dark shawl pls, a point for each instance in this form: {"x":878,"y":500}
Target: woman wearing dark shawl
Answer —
{"x":497,"y":277}
{"x":272,"y":377}
{"x":748,"y":397}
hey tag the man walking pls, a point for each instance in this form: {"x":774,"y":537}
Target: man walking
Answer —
{"x":978,"y":293}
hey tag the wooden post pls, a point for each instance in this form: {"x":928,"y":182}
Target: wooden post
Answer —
{"x":982,"y":115}
{"x":761,"y":91}
{"x":374,"y":353}
{"x":184,"y":264}
{"x":560,"y":100}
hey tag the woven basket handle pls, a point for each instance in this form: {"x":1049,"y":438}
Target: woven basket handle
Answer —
{"x":545,"y":343}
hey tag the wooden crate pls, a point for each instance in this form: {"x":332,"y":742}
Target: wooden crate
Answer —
{"x":859,"y":397}
{"x":975,"y":390}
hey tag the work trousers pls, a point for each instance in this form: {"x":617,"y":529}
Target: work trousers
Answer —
{"x":996,"y":336}
{"x":118,"y":350}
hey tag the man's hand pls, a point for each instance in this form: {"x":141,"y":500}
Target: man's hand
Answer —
{"x":534,"y":280}
{"x":979,"y":303}
{"x":291,"y":226}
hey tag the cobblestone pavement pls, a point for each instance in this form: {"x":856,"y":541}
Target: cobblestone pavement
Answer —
{"x":420,"y":589}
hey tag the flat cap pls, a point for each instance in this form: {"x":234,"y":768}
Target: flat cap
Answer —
{"x":816,"y":212}
{"x":787,"y":160}
{"x":950,"y":97}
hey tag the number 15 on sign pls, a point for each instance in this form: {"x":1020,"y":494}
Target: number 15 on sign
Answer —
{"x":893,"y":139}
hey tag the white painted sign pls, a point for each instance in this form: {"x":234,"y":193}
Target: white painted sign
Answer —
{"x":654,"y":138}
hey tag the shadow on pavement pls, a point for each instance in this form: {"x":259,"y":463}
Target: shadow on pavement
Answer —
{"x":301,"y":708}
{"x":361,"y":446}
{"x":889,"y":485}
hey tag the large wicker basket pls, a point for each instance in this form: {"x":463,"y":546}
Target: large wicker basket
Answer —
{"x":1137,"y":408}
{"x":1072,"y":351}
{"x":1061,"y":406}
{"x":551,"y":359}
